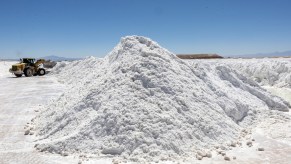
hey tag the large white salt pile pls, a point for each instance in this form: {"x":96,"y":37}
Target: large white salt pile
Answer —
{"x":141,"y":101}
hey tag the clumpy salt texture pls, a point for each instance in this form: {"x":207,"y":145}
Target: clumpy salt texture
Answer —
{"x":141,"y":101}
{"x":268,"y":72}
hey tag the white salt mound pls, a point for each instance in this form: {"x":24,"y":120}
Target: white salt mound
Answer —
{"x":267,"y":72}
{"x":59,"y":66}
{"x":141,"y":101}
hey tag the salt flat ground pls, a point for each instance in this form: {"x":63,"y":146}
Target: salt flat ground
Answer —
{"x":20,"y":97}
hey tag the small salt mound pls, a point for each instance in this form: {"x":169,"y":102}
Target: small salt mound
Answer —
{"x":141,"y":101}
{"x":59,"y":66}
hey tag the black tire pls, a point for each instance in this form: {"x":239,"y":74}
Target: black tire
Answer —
{"x":18,"y":75}
{"x":28,"y":72}
{"x":41,"y":72}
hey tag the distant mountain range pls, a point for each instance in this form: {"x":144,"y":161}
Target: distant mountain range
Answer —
{"x":261,"y":55}
{"x":52,"y":58}
{"x":57,"y":58}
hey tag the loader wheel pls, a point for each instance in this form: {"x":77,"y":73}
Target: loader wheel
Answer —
{"x":28,"y":72}
{"x":18,"y":75}
{"x":41,"y":72}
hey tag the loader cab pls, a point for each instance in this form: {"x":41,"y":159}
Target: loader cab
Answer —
{"x":28,"y":61}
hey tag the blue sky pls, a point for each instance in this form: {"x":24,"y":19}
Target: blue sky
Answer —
{"x":78,"y":28}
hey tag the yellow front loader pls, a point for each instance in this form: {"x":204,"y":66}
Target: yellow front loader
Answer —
{"x":28,"y":67}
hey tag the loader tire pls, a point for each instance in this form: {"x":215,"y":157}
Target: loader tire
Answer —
{"x":18,"y":75}
{"x":28,"y":72}
{"x":41,"y":72}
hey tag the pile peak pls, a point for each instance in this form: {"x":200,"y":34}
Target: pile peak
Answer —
{"x":137,"y":46}
{"x":130,"y":41}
